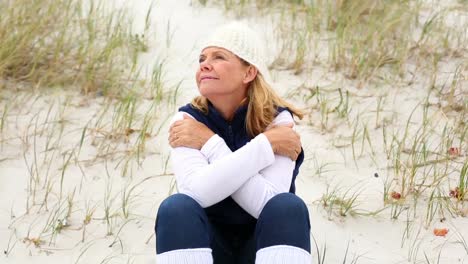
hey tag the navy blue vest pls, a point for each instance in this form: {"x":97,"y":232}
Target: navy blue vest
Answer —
{"x":235,"y":135}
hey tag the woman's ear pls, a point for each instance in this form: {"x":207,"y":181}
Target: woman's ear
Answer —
{"x":250,"y":74}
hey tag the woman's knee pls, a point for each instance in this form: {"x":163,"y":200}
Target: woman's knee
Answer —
{"x":176,"y":209}
{"x":177,"y":205}
{"x":285,"y":205}
{"x":284,"y":221}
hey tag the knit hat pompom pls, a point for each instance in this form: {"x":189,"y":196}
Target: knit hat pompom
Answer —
{"x":244,"y":42}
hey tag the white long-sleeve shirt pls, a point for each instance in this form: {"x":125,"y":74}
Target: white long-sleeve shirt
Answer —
{"x":251,"y":175}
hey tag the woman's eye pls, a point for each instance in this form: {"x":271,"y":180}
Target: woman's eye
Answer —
{"x":215,"y":57}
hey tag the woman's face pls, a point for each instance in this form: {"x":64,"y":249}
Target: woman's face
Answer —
{"x":221,"y":73}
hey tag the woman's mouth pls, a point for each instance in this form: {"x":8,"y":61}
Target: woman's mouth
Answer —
{"x":205,"y":78}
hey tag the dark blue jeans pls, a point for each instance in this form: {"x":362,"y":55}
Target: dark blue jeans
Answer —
{"x":182,"y":223}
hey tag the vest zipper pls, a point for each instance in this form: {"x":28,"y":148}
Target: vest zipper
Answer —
{"x":231,"y":135}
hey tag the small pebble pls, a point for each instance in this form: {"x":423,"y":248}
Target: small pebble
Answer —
{"x":376,"y":175}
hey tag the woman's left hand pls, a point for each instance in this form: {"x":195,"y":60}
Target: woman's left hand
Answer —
{"x":189,"y":133}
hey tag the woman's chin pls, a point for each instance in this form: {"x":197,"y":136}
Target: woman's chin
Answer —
{"x":207,"y":91}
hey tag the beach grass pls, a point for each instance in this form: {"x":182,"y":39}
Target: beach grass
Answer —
{"x":68,"y":43}
{"x":364,"y":39}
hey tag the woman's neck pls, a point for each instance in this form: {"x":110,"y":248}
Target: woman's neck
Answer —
{"x":228,"y":107}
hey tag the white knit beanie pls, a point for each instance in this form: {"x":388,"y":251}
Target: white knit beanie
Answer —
{"x":241,"y":40}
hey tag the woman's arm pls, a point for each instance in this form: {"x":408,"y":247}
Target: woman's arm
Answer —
{"x":211,"y":182}
{"x":259,"y":189}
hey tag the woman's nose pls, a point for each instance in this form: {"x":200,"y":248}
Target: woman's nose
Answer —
{"x":205,"y":65}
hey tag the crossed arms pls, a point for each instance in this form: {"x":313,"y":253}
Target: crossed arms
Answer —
{"x":208,"y":171}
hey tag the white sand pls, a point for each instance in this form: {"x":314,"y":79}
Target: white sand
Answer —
{"x":372,"y":239}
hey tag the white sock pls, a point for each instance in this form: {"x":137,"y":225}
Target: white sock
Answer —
{"x":283,"y":255}
{"x":186,"y":256}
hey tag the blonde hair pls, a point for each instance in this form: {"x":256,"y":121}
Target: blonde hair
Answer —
{"x":262,"y":106}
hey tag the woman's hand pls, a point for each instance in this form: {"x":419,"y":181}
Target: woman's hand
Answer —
{"x":189,"y":133}
{"x":284,"y":141}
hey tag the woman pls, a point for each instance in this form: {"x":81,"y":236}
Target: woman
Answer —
{"x":235,"y":157}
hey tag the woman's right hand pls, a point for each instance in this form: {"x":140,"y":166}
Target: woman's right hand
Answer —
{"x":284,"y":141}
{"x":189,"y":133}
